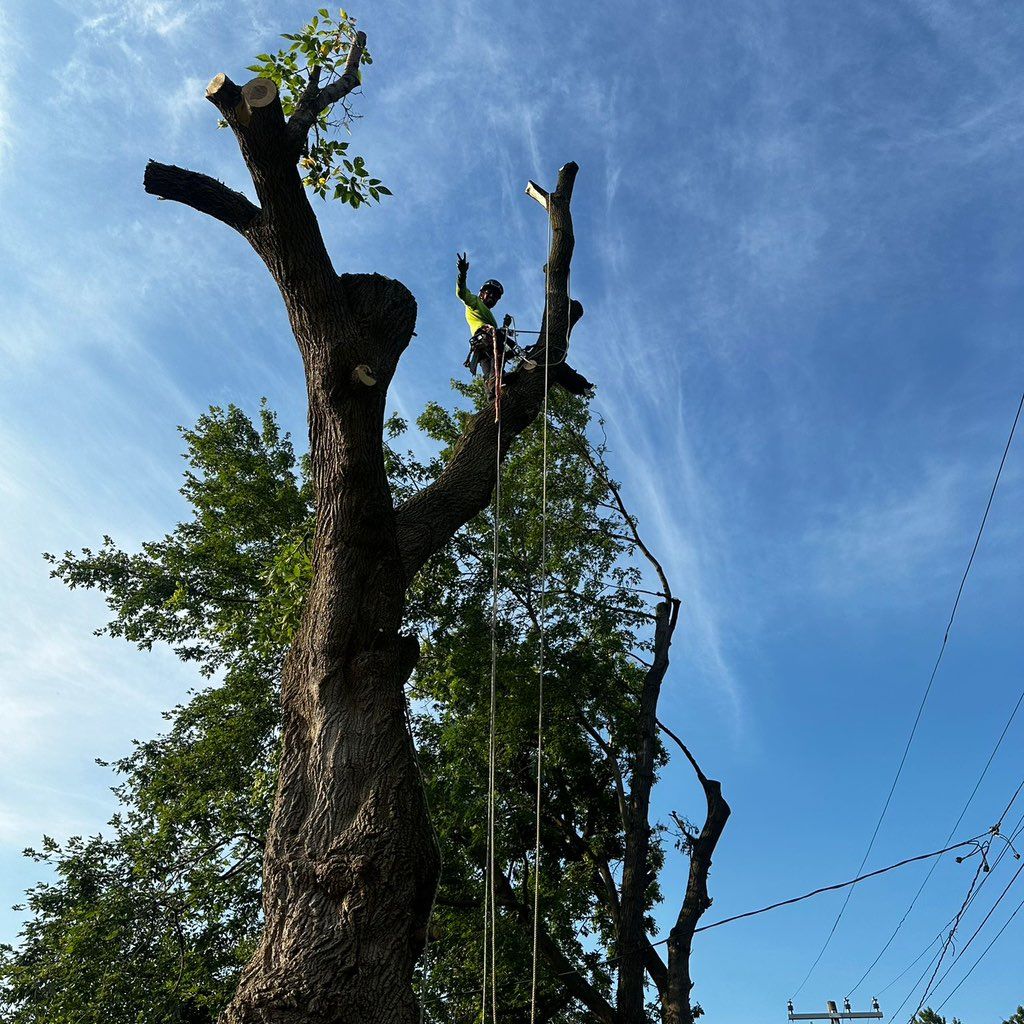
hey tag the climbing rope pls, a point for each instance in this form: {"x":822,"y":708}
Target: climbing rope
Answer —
{"x":490,"y":888}
{"x":541,"y":622}
{"x":542,"y":609}
{"x":490,"y":903}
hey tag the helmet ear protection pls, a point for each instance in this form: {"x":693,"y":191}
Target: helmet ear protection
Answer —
{"x":495,"y":285}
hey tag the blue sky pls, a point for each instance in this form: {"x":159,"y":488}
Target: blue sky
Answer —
{"x":800,"y":231}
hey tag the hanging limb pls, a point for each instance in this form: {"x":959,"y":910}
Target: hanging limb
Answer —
{"x":675,"y":1002}
{"x":426,"y":521}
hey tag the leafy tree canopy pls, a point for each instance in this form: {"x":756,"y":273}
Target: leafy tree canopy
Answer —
{"x":154,"y":919}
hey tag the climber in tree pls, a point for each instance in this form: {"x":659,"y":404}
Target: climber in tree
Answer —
{"x":487,"y":335}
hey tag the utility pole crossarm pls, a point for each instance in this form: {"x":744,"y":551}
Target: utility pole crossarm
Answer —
{"x":833,"y":1015}
{"x":873,"y":1015}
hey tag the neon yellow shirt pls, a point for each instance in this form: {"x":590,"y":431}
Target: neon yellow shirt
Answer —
{"x":477,"y":314}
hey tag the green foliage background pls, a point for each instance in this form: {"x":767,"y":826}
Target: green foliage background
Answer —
{"x":152,"y":920}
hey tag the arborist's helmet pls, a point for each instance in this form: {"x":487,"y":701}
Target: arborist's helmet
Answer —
{"x":494,"y":286}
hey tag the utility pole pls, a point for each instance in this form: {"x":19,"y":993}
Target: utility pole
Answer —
{"x":833,"y":1016}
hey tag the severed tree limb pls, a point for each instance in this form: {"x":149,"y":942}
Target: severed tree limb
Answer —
{"x":567,"y":971}
{"x":675,"y":998}
{"x":288,"y":236}
{"x":314,"y":99}
{"x":201,"y":192}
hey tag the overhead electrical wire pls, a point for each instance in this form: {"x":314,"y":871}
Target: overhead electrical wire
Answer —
{"x":940,"y":938}
{"x":984,"y":952}
{"x":952,"y":832}
{"x":921,"y":706}
{"x":1008,"y":845}
{"x":972,"y":896}
{"x":982,"y":864}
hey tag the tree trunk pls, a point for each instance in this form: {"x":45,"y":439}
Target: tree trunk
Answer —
{"x":351,"y":862}
{"x":636,"y":868}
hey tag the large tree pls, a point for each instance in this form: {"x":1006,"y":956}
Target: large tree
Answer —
{"x":154,"y":920}
{"x":350,"y":858}
{"x":351,"y":862}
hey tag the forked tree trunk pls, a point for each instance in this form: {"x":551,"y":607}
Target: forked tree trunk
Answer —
{"x":351,"y":860}
{"x":351,"y":863}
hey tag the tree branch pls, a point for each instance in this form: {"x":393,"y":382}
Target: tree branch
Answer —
{"x":427,"y":521}
{"x":201,"y":192}
{"x":633,"y":940}
{"x":689,"y":757}
{"x":676,"y":1003}
{"x":613,"y":763}
{"x":620,"y":508}
{"x":314,"y":99}
{"x":287,"y":237}
{"x":656,"y":969}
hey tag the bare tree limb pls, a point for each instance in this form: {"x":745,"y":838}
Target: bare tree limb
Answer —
{"x":656,"y":969}
{"x":686,"y":751}
{"x":203,"y":193}
{"x":613,"y":763}
{"x":676,"y":1004}
{"x":676,"y":996}
{"x":620,"y":507}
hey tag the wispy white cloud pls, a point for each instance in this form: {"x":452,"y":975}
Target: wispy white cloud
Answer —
{"x":9,"y":63}
{"x":883,"y":540}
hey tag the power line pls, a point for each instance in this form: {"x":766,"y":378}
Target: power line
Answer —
{"x":995,"y":938}
{"x":984,"y":921}
{"x":973,"y":841}
{"x":924,"y":700}
{"x":952,"y":831}
{"x":840,"y":885}
{"x":971,"y":897}
{"x":913,"y":963}
{"x":1014,"y":832}
{"x":1008,"y":846}
{"x":982,"y":864}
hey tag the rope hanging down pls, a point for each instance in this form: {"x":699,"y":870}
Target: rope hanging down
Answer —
{"x":490,"y":889}
{"x":490,"y":905}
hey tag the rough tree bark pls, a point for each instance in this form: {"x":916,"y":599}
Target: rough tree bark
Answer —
{"x":351,"y":862}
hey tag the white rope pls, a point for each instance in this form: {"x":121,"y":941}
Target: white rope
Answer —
{"x":490,"y":892}
{"x":541,"y":624}
{"x":542,"y":617}
{"x":490,"y":903}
